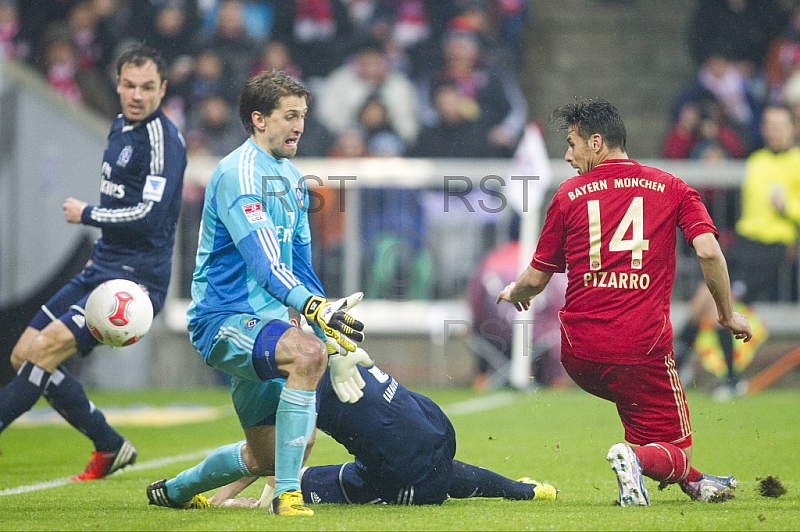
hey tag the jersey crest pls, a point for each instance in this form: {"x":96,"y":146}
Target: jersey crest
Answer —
{"x":125,"y":156}
{"x":298,"y":196}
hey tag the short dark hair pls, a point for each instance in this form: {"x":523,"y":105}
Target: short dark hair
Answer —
{"x":593,"y":116}
{"x":262,"y":92}
{"x":139,"y":54}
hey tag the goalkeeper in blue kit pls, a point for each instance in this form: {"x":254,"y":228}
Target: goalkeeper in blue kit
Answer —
{"x":253,"y":264}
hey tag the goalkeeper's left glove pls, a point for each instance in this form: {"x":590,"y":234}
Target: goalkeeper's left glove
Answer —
{"x":345,"y":377}
{"x":334,"y":320}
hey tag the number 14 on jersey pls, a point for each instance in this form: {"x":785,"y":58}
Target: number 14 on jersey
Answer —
{"x":636,"y":244}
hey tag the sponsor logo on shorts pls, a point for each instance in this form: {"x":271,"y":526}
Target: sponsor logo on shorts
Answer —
{"x":249,"y":324}
{"x":315,"y":498}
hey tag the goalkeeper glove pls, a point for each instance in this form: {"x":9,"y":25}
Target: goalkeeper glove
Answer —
{"x":345,"y":377}
{"x":334,"y":320}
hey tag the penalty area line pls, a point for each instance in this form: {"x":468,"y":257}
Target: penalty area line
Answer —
{"x":481,"y":404}
{"x":151,"y":464}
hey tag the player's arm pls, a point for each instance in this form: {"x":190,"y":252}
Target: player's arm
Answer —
{"x":163,"y":184}
{"x":788,"y":203}
{"x":548,"y":259}
{"x":302,"y":263}
{"x":329,"y":320}
{"x":73,"y":209}
{"x":530,"y":283}
{"x":715,"y":274}
{"x":230,"y":491}
{"x":255,"y":235}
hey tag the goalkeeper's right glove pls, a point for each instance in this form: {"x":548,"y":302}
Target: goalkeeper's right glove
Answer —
{"x":346,"y":380}
{"x":333,"y":319}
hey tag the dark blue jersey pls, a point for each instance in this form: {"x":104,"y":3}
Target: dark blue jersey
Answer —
{"x":140,"y":199}
{"x":395,"y":433}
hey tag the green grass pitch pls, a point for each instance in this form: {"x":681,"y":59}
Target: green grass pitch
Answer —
{"x":555,"y":436}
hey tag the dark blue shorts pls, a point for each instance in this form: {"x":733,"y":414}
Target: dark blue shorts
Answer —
{"x":68,"y":303}
{"x":351,"y":483}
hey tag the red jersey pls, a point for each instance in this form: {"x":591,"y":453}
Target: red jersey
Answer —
{"x":613,"y":230}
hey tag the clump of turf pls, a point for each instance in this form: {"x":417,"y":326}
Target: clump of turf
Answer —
{"x":771,"y":487}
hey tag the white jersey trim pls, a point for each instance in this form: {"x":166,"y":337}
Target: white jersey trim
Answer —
{"x":128,"y":214}
{"x":270,"y":246}
{"x":155,"y":131}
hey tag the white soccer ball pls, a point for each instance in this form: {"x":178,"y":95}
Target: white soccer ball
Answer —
{"x":118,"y":313}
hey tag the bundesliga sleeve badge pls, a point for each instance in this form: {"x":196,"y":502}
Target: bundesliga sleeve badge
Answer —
{"x":254,"y":212}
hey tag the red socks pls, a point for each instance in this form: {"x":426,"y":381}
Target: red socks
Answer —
{"x":664,"y":462}
{"x":694,"y":475}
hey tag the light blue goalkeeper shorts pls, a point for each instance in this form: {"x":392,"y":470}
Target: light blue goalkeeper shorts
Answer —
{"x":244,"y":348}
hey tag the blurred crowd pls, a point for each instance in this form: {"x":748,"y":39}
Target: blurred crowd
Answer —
{"x":747,"y":56}
{"x":744,"y":103}
{"x":383,"y":73}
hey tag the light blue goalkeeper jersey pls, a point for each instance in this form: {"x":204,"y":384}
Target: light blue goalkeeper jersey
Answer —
{"x":254,"y":252}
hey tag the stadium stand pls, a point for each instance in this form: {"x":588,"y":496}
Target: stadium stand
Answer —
{"x":648,"y":40}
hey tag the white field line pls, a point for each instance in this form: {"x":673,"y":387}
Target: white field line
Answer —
{"x":151,"y":464}
{"x":481,"y":404}
{"x":470,"y":406}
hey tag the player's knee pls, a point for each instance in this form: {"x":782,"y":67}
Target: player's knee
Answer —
{"x":18,"y":355}
{"x":261,"y":466}
{"x":307,"y":353}
{"x":51,"y":347}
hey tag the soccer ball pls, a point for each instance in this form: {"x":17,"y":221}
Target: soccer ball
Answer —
{"x":118,"y":313}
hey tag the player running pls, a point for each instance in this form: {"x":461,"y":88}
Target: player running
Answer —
{"x":612,"y":228}
{"x":140,"y":198}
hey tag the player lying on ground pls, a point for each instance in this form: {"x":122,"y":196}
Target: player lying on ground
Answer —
{"x":403,"y":445}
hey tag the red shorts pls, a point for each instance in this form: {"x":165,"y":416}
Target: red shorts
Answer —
{"x":649,"y":397}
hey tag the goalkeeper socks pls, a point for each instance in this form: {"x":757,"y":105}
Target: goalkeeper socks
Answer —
{"x":662,"y":461}
{"x":294,"y":422}
{"x":472,"y":481}
{"x":223,"y":466}
{"x":66,"y":395}
{"x":19,"y":395}
{"x":726,"y":342}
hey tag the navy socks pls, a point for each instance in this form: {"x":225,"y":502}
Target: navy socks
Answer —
{"x":67,"y":396}
{"x":19,"y":395}
{"x":471,"y":481}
